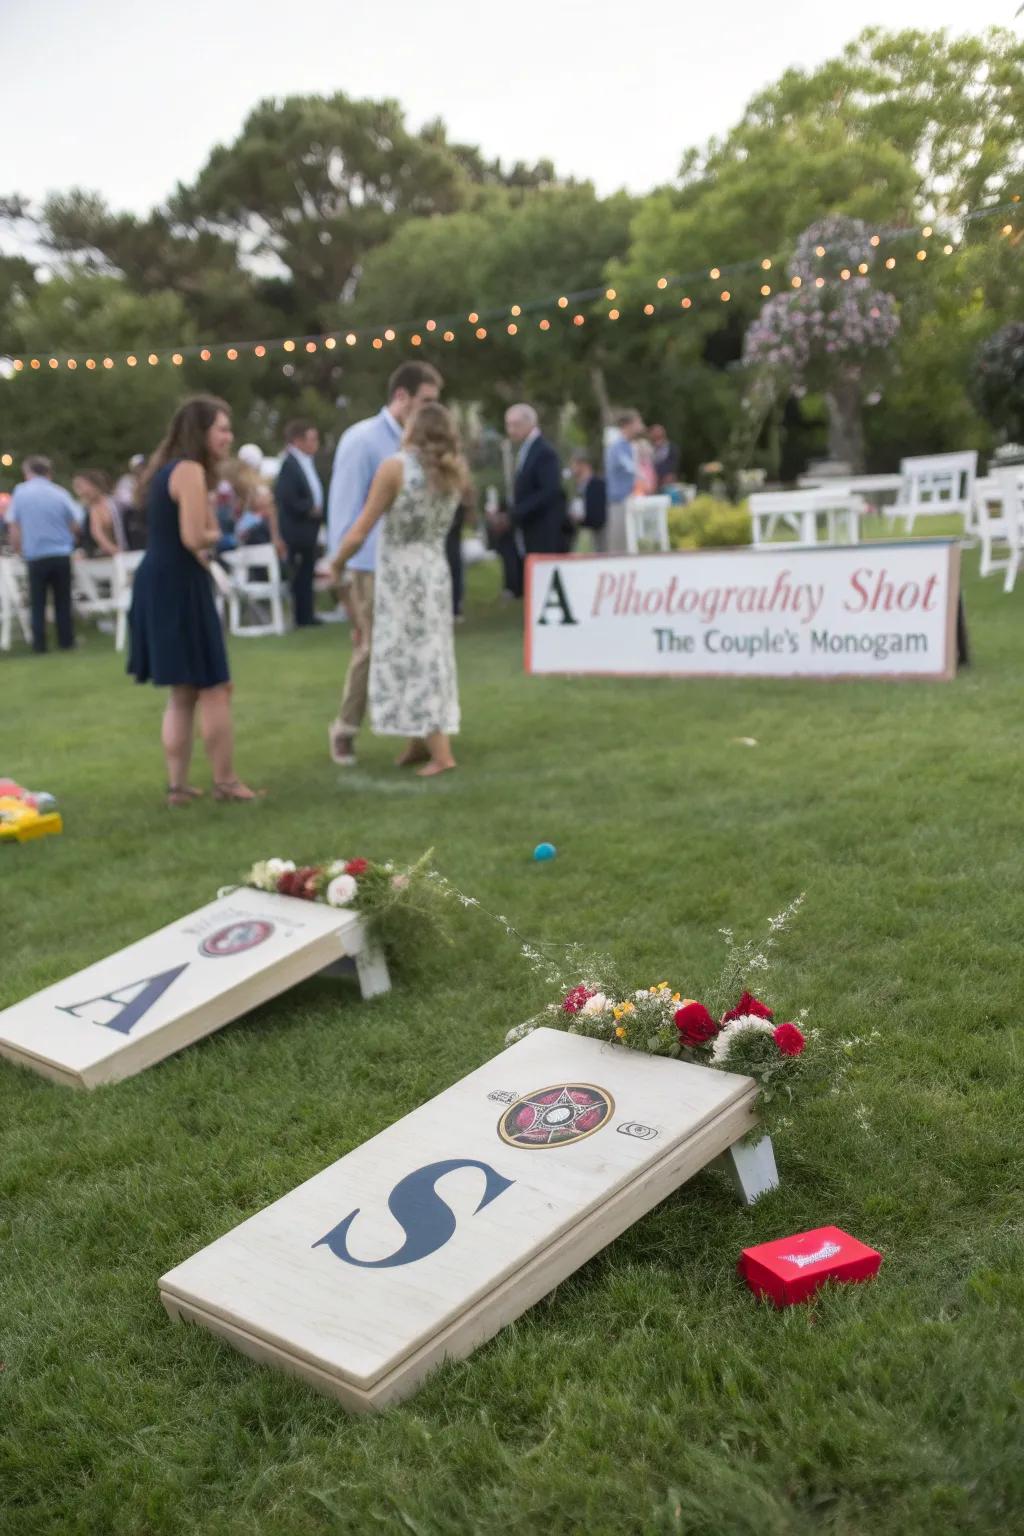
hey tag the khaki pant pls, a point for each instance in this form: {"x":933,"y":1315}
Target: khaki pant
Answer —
{"x":615,"y":529}
{"x":358,"y":597}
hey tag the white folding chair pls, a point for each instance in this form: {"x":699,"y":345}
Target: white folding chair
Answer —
{"x":647,"y":523}
{"x":1008,"y":497}
{"x":14,"y":604}
{"x":256,"y":599}
{"x":125,"y":566}
{"x":989,"y":518}
{"x":93,"y":585}
{"x":936,"y":486}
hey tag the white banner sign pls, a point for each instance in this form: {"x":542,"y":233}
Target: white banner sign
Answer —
{"x":869,"y":610}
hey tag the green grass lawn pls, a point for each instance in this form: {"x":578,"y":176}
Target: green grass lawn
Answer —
{"x":650,"y":1393}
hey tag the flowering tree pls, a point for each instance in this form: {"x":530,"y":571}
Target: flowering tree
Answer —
{"x":997,"y":380}
{"x":830,"y":331}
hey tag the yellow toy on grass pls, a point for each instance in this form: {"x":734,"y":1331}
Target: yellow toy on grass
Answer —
{"x":24,"y":816}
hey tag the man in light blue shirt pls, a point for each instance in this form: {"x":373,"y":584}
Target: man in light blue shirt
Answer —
{"x":620,"y":474}
{"x":44,"y":519}
{"x":359,"y":455}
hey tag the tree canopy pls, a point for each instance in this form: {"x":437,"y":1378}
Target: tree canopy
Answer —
{"x":331,"y":213}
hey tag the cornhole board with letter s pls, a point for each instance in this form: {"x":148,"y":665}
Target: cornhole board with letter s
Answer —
{"x":427,"y":1239}
{"x":176,"y":985}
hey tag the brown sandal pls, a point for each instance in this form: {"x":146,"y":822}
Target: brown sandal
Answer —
{"x":182,"y":794}
{"x":235,"y":791}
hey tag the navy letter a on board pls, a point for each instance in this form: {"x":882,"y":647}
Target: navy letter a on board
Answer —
{"x":427,"y":1221}
{"x":131,"y":1009}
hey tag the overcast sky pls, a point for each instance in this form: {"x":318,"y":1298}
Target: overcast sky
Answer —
{"x":128,"y":99}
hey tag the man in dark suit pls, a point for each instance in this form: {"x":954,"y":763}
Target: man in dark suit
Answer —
{"x":299,"y":495}
{"x":537,"y":514}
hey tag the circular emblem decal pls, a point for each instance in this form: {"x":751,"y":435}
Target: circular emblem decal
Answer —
{"x":556,"y":1116}
{"x":236,"y":938}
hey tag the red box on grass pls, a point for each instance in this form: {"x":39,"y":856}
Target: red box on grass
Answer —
{"x":792,"y":1268}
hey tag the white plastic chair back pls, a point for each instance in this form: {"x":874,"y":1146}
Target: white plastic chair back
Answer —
{"x":1009,"y":483}
{"x":125,"y":566}
{"x":93,"y":585}
{"x":256,"y":600}
{"x":647,"y":523}
{"x":14,"y":605}
{"x":936,"y":485}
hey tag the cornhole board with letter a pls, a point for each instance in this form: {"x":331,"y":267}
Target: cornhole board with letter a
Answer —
{"x":181,"y":983}
{"x":426,"y":1240}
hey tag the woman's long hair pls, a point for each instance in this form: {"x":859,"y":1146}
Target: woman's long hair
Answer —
{"x":432,"y":434}
{"x":186,"y":439}
{"x":94,"y":477}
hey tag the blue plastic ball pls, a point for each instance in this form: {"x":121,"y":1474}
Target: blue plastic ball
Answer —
{"x":544,"y":851}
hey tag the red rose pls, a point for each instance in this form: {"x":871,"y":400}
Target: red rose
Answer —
{"x":299,"y":882}
{"x":576,"y":998}
{"x":748,"y":1005}
{"x":357,"y":866}
{"x":789,"y":1039}
{"x":695,"y":1024}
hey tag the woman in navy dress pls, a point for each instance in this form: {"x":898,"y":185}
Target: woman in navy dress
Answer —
{"x":176,"y":636}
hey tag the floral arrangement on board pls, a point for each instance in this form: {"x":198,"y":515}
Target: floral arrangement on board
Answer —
{"x":732,"y":1029}
{"x":392,"y":899}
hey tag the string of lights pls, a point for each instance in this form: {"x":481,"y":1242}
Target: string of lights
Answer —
{"x":514,"y":319}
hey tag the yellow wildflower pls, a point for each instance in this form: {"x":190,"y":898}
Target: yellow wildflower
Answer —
{"x":620,"y":1032}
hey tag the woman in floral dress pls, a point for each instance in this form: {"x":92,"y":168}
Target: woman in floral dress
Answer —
{"x":413,"y":687}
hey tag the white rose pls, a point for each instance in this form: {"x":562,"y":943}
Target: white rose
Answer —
{"x":740,"y":1026}
{"x":596,"y":1004}
{"x":337,"y":867}
{"x":341,"y":891}
{"x":279,"y":867}
{"x":266,"y":873}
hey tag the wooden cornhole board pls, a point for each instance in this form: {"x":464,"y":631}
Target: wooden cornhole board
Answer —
{"x":426,"y":1240}
{"x":176,"y":985}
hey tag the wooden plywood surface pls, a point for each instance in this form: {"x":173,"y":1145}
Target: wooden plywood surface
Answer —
{"x":174,"y":986}
{"x":436,"y":1232}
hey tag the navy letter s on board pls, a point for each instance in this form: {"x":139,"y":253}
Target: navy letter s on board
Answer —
{"x":425,"y":1218}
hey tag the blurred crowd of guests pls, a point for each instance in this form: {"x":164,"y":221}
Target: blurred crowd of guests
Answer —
{"x":281,"y":501}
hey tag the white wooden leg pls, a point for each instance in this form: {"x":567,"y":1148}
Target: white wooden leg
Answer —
{"x":369,"y":966}
{"x":372,"y":970}
{"x":752,"y":1166}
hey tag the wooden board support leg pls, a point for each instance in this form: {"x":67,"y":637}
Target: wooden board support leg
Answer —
{"x":372,"y":969}
{"x":369,"y":966}
{"x":752,"y":1168}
